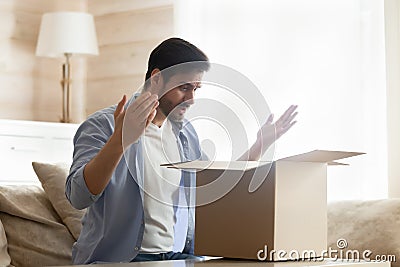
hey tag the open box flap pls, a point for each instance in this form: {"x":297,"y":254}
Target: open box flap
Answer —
{"x":322,"y":156}
{"x":216,"y":165}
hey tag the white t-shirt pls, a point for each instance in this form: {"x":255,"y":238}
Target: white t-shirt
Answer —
{"x":161,"y":188}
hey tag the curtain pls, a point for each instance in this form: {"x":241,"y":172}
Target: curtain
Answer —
{"x":392,"y":34}
{"x":326,"y":56}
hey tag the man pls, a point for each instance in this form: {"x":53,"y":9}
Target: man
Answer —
{"x":132,"y":202}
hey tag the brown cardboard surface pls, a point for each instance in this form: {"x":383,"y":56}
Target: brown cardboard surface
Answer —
{"x":233,"y":226}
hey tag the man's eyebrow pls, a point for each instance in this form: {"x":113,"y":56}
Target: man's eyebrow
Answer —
{"x":195,"y":85}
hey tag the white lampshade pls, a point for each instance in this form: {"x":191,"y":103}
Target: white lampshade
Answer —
{"x":67,"y":32}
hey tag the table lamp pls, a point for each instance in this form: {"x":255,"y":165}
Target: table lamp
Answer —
{"x":63,"y":34}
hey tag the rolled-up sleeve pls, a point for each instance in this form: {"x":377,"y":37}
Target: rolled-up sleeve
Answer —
{"x":88,"y":141}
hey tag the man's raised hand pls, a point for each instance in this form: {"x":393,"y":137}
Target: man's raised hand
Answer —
{"x":270,"y":132}
{"x":131,"y":123}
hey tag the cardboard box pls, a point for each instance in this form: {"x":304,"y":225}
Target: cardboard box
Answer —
{"x":248,"y":210}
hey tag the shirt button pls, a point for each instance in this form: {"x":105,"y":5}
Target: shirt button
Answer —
{"x":188,"y":242}
{"x":136,"y":248}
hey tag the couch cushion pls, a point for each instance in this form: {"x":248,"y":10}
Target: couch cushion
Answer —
{"x":366,"y":225}
{"x":53,"y":177}
{"x":5,"y":259}
{"x":35,"y":233}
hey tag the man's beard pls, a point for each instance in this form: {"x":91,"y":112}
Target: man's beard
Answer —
{"x":177,"y":113}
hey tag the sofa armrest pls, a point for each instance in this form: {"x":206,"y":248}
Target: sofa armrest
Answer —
{"x":366,"y":225}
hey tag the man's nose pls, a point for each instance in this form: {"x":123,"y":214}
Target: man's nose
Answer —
{"x":189,"y":97}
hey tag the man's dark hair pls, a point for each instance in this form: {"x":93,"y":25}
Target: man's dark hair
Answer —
{"x":174,"y":51}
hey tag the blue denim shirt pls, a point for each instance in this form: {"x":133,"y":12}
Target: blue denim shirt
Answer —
{"x":113,"y":226}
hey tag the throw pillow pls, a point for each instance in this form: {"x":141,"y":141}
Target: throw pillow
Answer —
{"x":52,"y":178}
{"x":365,"y":225}
{"x":4,"y":257}
{"x":35,"y":233}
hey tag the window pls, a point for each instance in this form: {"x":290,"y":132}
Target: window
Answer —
{"x":326,"y":56}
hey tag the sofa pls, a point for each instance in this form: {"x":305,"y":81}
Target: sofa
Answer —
{"x":38,"y":226}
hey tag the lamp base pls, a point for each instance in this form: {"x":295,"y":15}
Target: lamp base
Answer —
{"x":65,"y":82}
{"x":65,"y":121}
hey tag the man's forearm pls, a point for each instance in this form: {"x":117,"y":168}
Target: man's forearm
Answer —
{"x":255,"y":152}
{"x":98,"y":171}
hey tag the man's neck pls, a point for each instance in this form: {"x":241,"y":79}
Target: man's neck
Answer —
{"x":159,"y":118}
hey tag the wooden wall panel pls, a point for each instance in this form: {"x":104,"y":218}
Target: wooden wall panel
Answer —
{"x":32,"y":94}
{"x":136,"y":25}
{"x":16,"y":56}
{"x":43,"y":6}
{"x":103,"y":7}
{"x":26,"y":25}
{"x":31,"y":87}
{"x":106,"y":92}
{"x":127,"y":32}
{"x":20,"y":25}
{"x":121,"y":60}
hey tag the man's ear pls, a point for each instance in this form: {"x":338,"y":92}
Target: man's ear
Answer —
{"x":156,"y":78}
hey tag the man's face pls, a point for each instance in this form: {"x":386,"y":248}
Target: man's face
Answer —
{"x":179,"y":94}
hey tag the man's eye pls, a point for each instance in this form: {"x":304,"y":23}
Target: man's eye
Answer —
{"x":184,"y":88}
